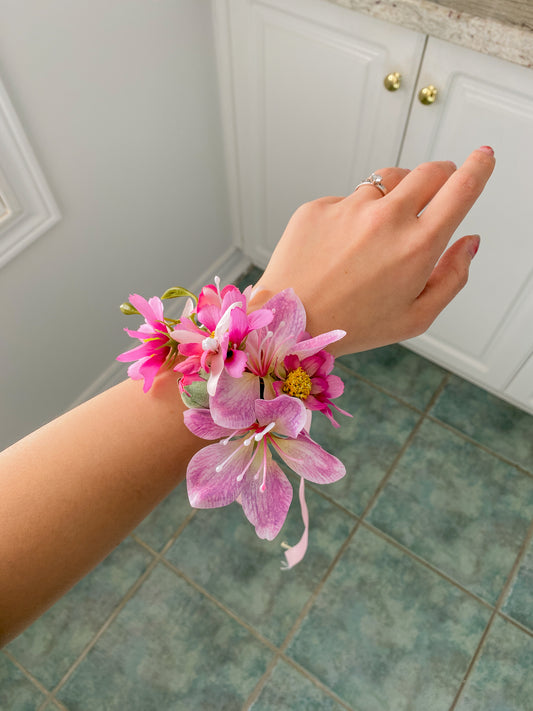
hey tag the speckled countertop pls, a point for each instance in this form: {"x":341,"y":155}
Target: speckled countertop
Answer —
{"x":503,"y":28}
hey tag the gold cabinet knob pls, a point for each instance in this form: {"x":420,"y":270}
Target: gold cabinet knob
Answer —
{"x":392,"y":81}
{"x":428,"y":94}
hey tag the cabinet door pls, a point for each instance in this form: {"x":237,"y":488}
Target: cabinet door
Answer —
{"x":482,"y":100}
{"x":520,"y":389}
{"x":311,"y":116}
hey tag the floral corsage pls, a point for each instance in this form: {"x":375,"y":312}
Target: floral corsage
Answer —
{"x":251,"y":380}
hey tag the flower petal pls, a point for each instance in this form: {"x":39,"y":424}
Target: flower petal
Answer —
{"x":303,"y":349}
{"x":287,"y":412}
{"x":236,"y":363}
{"x":233,"y":404}
{"x":209,"y":489}
{"x":200,"y":423}
{"x":308,"y":459}
{"x":267,"y":510}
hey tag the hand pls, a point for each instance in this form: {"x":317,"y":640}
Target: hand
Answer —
{"x":372,"y":264}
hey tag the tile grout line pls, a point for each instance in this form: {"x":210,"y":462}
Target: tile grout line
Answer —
{"x":124,"y":600}
{"x":27,"y":673}
{"x":497,"y":612}
{"x":311,"y":600}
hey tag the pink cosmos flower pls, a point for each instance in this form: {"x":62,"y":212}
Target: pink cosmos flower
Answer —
{"x":240,"y":466}
{"x":310,"y":380}
{"x":215,"y":345}
{"x":156,"y":344}
{"x":267,"y":347}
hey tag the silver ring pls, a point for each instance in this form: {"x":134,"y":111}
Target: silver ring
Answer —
{"x":375,"y":180}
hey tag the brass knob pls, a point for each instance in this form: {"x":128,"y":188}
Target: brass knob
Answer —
{"x":428,"y":94}
{"x":392,"y":81}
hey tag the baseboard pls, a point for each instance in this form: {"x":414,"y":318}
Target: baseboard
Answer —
{"x":228,"y":267}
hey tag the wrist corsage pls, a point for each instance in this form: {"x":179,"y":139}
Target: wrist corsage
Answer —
{"x":251,"y":380}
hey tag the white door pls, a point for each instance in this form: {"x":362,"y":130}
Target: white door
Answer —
{"x":311,"y":114}
{"x":482,"y":100}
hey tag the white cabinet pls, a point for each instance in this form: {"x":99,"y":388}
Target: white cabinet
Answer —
{"x":308,"y":115}
{"x":484,"y":334}
{"x":311,"y":114}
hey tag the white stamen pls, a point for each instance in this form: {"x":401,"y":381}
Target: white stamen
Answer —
{"x":210,"y":344}
{"x":217,"y":284}
{"x":259,"y":436}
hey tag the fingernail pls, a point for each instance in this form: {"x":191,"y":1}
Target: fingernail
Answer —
{"x":473,"y":246}
{"x":487,"y":149}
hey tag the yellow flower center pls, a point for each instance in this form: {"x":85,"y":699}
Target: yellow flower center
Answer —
{"x":297,"y":383}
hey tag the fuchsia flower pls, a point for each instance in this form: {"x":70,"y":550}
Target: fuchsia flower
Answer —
{"x":224,"y":316}
{"x":156,"y":343}
{"x":240,"y":466}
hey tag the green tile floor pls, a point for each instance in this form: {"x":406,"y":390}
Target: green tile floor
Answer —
{"x":416,"y":592}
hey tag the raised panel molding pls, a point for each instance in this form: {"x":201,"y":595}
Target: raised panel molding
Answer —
{"x":27,"y":207}
{"x":310,"y":115}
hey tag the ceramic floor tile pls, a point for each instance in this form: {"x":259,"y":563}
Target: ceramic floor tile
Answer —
{"x":388,"y":634}
{"x":221,"y":552}
{"x":17,"y":693}
{"x":169,"y":648}
{"x":501,"y":679}
{"x":487,"y":419}
{"x":249,"y":277}
{"x":519,"y":602}
{"x":288,"y":689}
{"x":165,"y":519}
{"x":398,"y":370}
{"x":367,"y":443}
{"x":53,"y":642}
{"x":463,"y":510}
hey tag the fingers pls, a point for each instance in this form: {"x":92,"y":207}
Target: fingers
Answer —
{"x":446,"y":281}
{"x":421,"y":185}
{"x":457,"y":195}
{"x":391,"y":178}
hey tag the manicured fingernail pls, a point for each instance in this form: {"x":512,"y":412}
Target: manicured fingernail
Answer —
{"x":487,"y":149}
{"x":473,"y":246}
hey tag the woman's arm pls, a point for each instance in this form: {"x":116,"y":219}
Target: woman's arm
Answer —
{"x":72,"y":490}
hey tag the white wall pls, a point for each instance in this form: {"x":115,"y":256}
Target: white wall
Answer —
{"x":119,"y":101}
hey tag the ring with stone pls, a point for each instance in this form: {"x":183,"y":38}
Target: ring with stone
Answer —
{"x":375,"y":180}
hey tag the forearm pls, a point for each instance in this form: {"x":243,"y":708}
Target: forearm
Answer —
{"x":72,"y":490}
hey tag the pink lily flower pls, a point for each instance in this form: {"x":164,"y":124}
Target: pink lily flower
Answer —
{"x":156,"y":343}
{"x":240,"y":467}
{"x":310,"y":379}
{"x":215,"y":346}
{"x":267,"y":347}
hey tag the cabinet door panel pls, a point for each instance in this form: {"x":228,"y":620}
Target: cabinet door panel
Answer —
{"x":312,"y":115}
{"x":482,"y":100}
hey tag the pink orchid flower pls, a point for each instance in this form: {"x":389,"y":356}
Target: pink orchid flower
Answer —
{"x":155,"y":336}
{"x":215,"y":346}
{"x":240,"y":467}
{"x":267,"y":347}
{"x":310,"y":379}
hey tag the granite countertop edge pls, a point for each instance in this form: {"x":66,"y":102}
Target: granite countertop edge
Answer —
{"x":485,"y":35}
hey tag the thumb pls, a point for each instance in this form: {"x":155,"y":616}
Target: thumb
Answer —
{"x":447,"y":279}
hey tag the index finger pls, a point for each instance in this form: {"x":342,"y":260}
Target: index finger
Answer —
{"x":453,"y":201}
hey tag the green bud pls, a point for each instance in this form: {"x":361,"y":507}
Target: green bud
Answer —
{"x":128,"y":309}
{"x":176,"y":291}
{"x":198,"y":395}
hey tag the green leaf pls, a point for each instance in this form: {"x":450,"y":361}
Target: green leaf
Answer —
{"x":128,"y":309}
{"x":198,"y":395}
{"x":175,"y":291}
